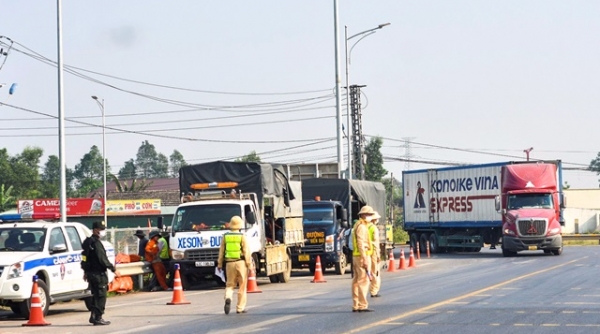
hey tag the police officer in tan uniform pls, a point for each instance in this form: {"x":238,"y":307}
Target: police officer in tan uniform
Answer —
{"x":361,"y":261}
{"x":376,"y":255}
{"x":235,"y":255}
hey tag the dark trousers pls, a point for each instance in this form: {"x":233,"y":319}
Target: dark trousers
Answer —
{"x":99,"y":287}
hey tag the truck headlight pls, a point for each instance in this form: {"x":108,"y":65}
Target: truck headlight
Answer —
{"x":329,"y":243}
{"x":554,"y":231}
{"x":177,"y":255}
{"x":508,"y":231}
{"x":15,"y":270}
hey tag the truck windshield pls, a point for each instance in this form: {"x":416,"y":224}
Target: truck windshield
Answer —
{"x":205,"y":217}
{"x":526,"y":201}
{"x":317,"y":215}
{"x":22,"y":239}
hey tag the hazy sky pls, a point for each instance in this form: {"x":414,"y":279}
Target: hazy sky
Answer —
{"x":218,"y":79}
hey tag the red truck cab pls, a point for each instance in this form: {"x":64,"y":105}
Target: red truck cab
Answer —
{"x":531,"y":206}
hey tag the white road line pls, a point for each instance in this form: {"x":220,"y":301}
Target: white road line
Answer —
{"x":138,"y":329}
{"x":255,"y":327}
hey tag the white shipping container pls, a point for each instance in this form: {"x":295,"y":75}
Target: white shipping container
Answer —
{"x":452,"y":197}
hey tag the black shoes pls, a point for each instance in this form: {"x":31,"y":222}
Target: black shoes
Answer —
{"x":101,"y":322}
{"x":375,"y":296}
{"x":366,"y":310}
{"x":242,"y":311}
{"x":227,"y":307}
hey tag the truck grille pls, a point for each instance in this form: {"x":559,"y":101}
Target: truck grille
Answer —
{"x":202,"y":255}
{"x":532,"y":227}
{"x":313,"y":248}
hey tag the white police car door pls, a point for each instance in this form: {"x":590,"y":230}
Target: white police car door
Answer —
{"x":74,"y":271}
{"x":60,"y":263}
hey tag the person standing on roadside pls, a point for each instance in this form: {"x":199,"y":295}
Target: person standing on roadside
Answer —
{"x":143,"y":241}
{"x":236,"y":257}
{"x":376,"y":255}
{"x":164,"y":255}
{"x":361,"y":261}
{"x":94,"y":263}
{"x":153,"y":257}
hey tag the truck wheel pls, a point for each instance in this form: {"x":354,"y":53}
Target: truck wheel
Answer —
{"x":413,"y":240}
{"x":274,"y":278}
{"x":340,"y":266}
{"x":433,"y":244}
{"x":44,"y":297}
{"x":285,"y":276}
{"x":423,"y":243}
{"x":557,"y":251}
{"x":311,"y":268}
{"x":15,"y":308}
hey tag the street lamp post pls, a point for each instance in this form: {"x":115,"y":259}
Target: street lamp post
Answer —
{"x":348,"y":118}
{"x":101,"y":105}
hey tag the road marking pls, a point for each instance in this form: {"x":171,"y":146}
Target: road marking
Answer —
{"x":138,"y":329}
{"x":456,"y":299}
{"x":153,"y":300}
{"x":257,"y":326}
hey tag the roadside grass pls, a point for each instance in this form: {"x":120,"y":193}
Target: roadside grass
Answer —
{"x":580,"y":243}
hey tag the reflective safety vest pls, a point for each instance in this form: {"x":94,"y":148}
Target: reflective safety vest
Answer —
{"x":164,"y":252}
{"x":372,"y":230}
{"x":355,"y":250}
{"x":233,"y":245}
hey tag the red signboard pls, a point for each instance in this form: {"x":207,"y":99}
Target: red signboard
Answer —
{"x":75,"y":206}
{"x":91,"y":207}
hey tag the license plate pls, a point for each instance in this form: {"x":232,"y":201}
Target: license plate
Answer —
{"x":304,"y":257}
{"x":532,"y":247}
{"x":205,"y":263}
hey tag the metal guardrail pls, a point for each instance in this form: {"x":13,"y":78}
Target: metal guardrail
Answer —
{"x":577,"y":237}
{"x":134,"y":268}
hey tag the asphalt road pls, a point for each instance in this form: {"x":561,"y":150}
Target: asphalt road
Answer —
{"x":449,"y":293}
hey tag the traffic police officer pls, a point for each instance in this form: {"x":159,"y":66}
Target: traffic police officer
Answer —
{"x":95,"y":263}
{"x":361,"y":261}
{"x":376,"y":255}
{"x":237,"y":258}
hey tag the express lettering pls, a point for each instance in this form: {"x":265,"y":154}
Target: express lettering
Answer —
{"x":190,"y":242}
{"x":451,"y":204}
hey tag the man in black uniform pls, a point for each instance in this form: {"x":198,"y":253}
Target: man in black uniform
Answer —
{"x":95,"y":263}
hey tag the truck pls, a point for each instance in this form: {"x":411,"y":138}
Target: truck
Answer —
{"x":212,"y":193}
{"x":516,"y":204}
{"x":327,"y":205}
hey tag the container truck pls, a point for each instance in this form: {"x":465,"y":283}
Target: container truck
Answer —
{"x":212,"y":193}
{"x":515,"y":204}
{"x":327,"y":205}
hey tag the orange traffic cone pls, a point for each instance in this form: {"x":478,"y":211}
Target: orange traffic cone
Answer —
{"x":36,"y":314}
{"x":418,"y":251}
{"x":402,"y":264}
{"x":252,"y":285}
{"x":411,"y":260}
{"x":428,"y":250}
{"x":178,"y":298}
{"x":391,"y":262}
{"x":318,"y":272}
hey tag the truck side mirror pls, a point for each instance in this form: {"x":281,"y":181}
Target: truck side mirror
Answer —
{"x":563,"y":201}
{"x":160,"y":223}
{"x":497,"y":202}
{"x":343,"y":216}
{"x":250,"y":215}
{"x":561,"y":221}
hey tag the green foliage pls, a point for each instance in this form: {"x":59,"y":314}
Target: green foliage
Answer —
{"x":150,"y":164}
{"x":21,"y":172}
{"x":6,"y":200}
{"x":566,"y":185}
{"x":250,"y":157}
{"x":176,"y":162}
{"x":128,"y":170}
{"x":400,"y":236}
{"x":89,"y":172}
{"x":595,"y":164}
{"x":374,"y":170}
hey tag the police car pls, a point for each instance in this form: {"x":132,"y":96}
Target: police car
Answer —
{"x":38,"y":245}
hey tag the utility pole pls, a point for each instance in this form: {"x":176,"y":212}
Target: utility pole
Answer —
{"x":357,"y":134}
{"x":527,"y":152}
